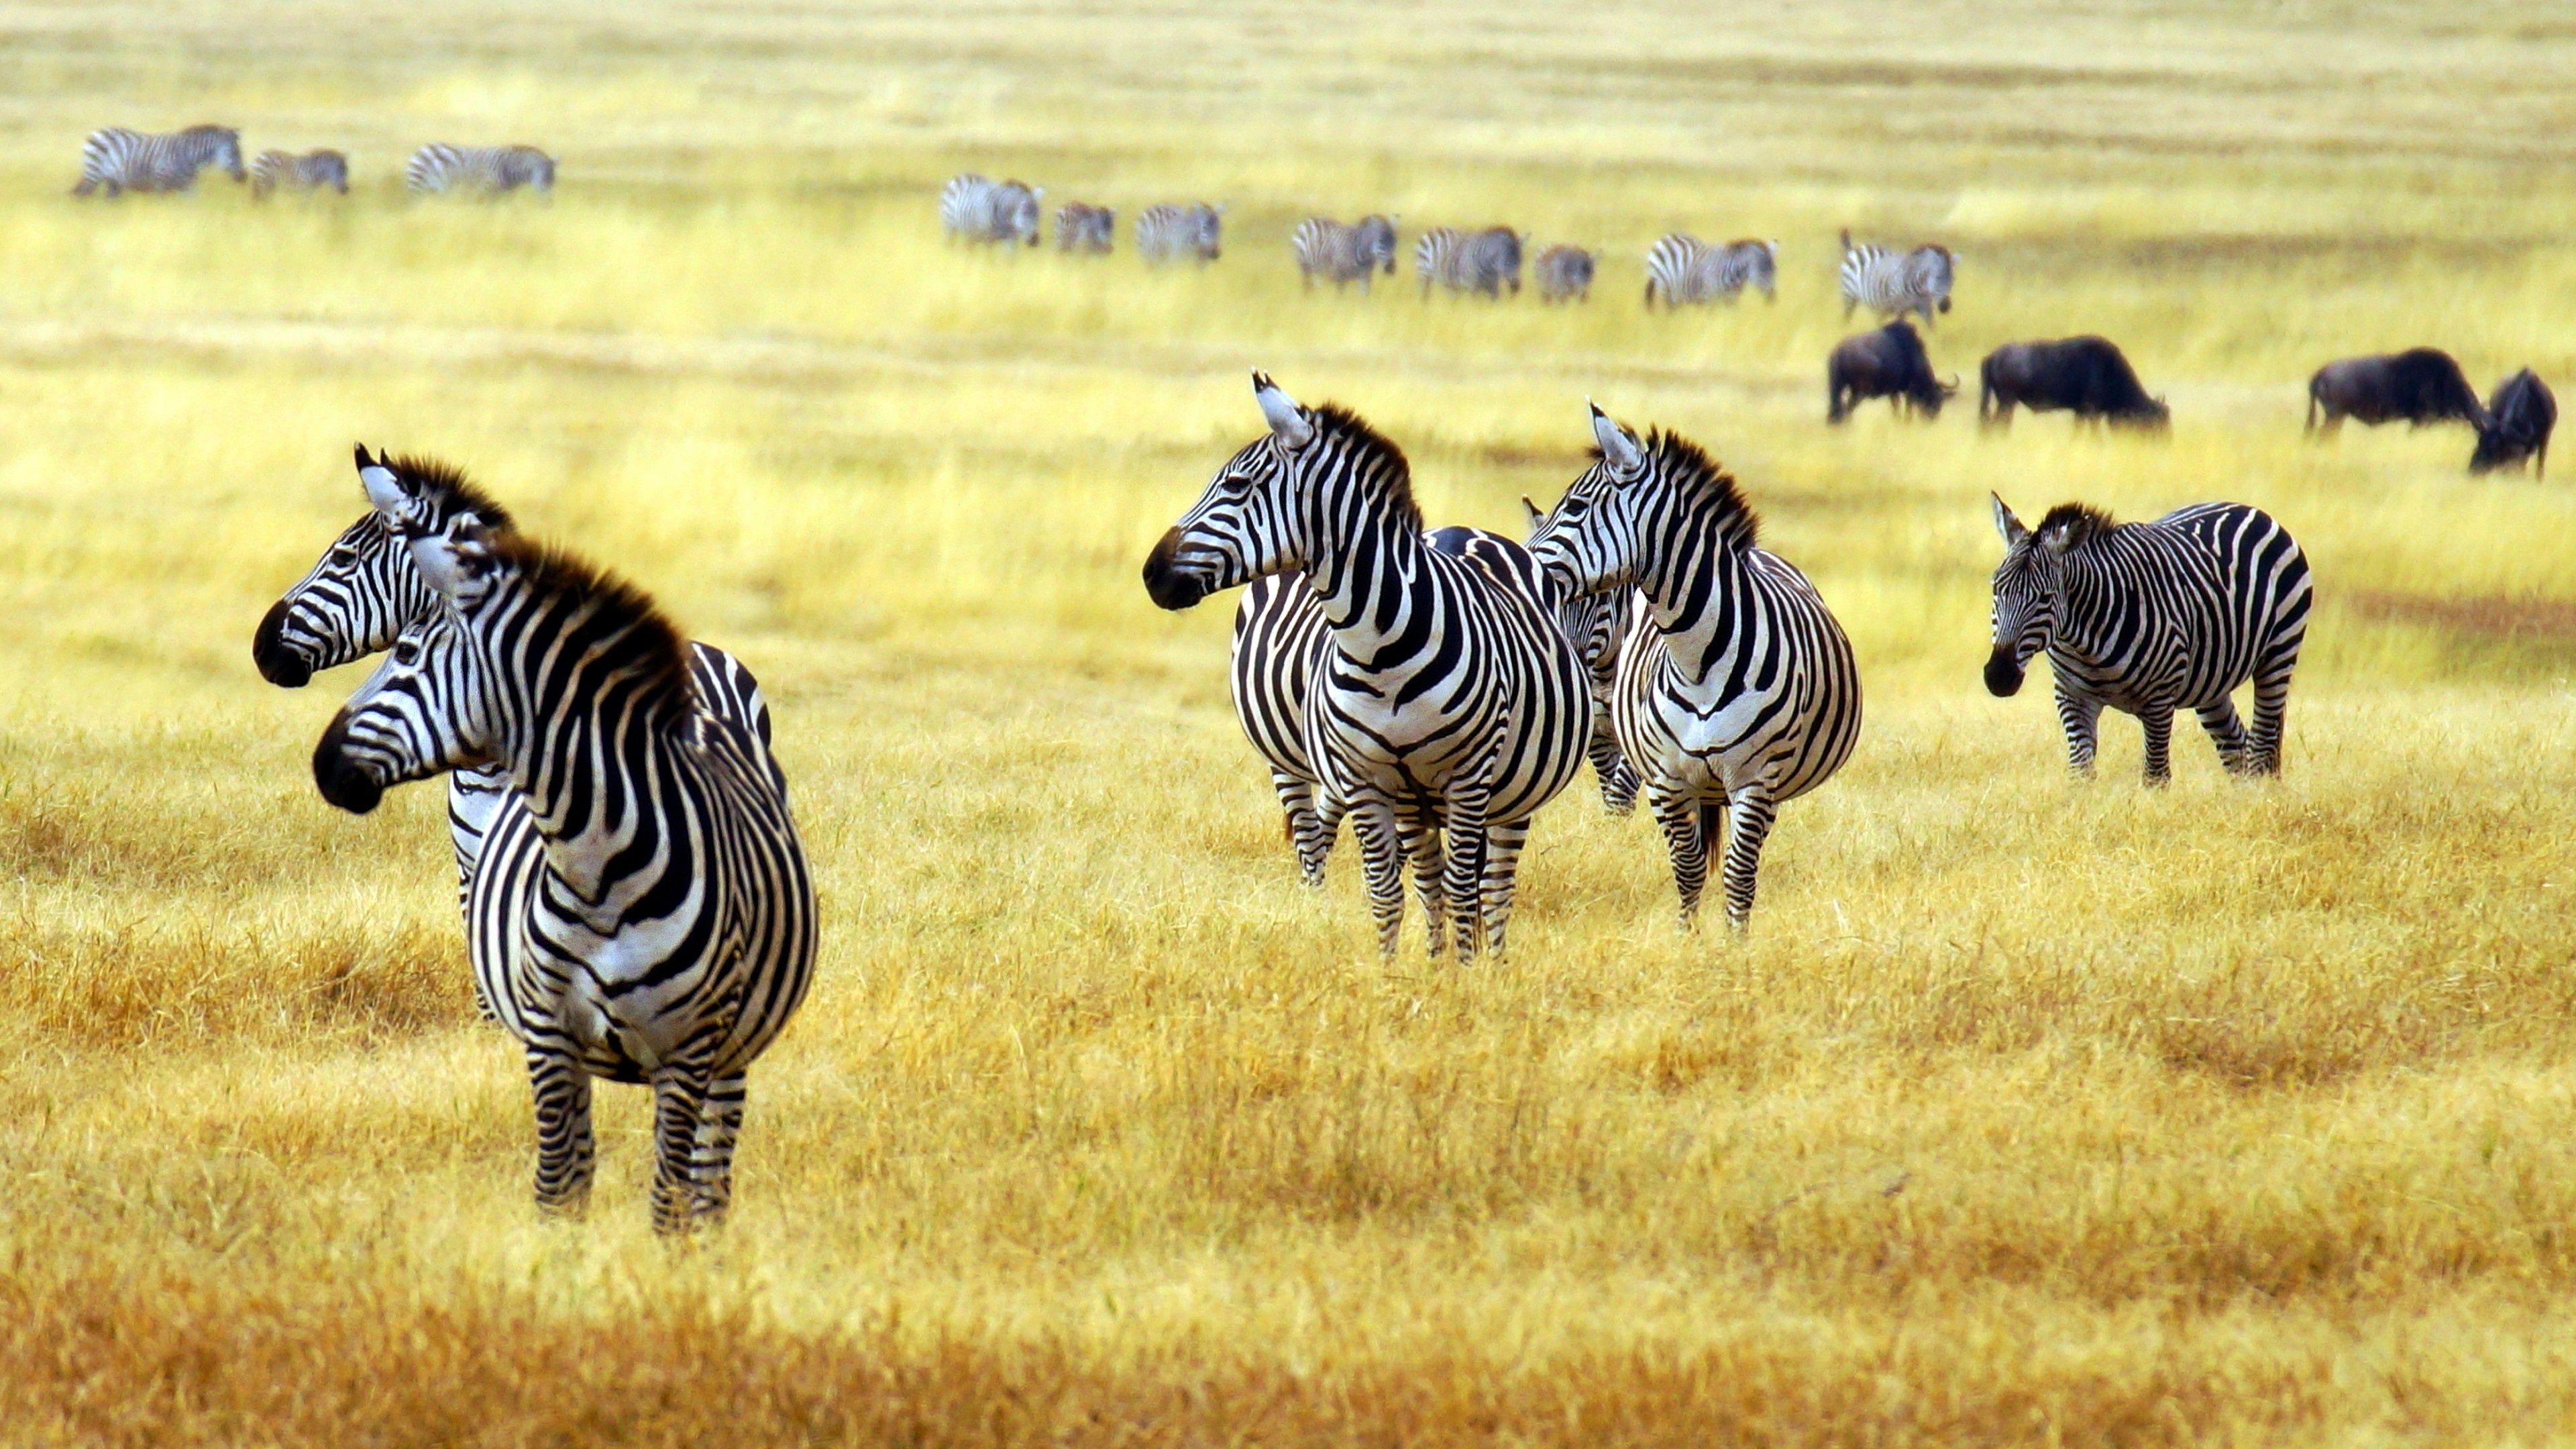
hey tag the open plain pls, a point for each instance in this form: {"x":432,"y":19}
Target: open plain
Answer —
{"x":2031,"y":1110}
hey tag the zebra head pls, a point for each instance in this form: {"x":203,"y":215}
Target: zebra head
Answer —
{"x":221,"y":147}
{"x":1248,"y":523}
{"x":2028,"y":586}
{"x":365,"y":590}
{"x":1588,"y":544}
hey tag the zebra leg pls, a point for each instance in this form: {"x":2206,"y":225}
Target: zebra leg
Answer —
{"x":711,"y":1156}
{"x":2082,"y":718}
{"x":2271,"y":709}
{"x":1304,"y":825}
{"x":1382,"y":863}
{"x":1754,"y":810}
{"x":1468,"y":866}
{"x":2157,"y":721}
{"x":2227,"y":732}
{"x":1680,"y":818}
{"x":1418,"y":832}
{"x":1503,"y":842}
{"x":566,"y":1151}
{"x":680,"y":1086}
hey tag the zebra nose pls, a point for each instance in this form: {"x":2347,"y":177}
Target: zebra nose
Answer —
{"x":2003,"y":676}
{"x":337,"y":776}
{"x":278,"y":664}
{"x":1166,"y":585}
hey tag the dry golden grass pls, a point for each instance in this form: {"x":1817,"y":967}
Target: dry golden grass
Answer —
{"x":2030,"y":1111}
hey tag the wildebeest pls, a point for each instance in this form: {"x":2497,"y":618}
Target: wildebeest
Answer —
{"x":2086,"y":376}
{"x":1888,"y":363}
{"x":2520,"y":415}
{"x":1563,"y":274}
{"x":2422,"y":385}
{"x":1085,"y":229}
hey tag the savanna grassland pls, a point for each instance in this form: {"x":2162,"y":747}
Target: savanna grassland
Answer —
{"x":2030,"y":1110}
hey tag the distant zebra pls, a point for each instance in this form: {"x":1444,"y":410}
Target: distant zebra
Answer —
{"x":1685,"y":271}
{"x":311,"y":171}
{"x":1563,"y":274}
{"x":1740,"y":692}
{"x":1893,"y":283}
{"x":1180,"y":233}
{"x":976,"y":208}
{"x":122,"y":160}
{"x":1449,"y":700}
{"x":1484,"y":262}
{"x":1084,"y":228}
{"x":650,"y":917}
{"x":2149,"y":618}
{"x":439,"y":167}
{"x":1354,"y":253}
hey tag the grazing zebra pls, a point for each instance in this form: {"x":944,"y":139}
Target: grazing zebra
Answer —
{"x":1484,"y":262}
{"x":1685,"y":271}
{"x":1743,"y":693}
{"x":123,"y":160}
{"x":1599,"y":625}
{"x":1563,"y":273}
{"x":1894,"y":283}
{"x":979,"y":209}
{"x":363,"y":592}
{"x":1178,"y":233}
{"x":438,"y":167}
{"x":649,"y":917}
{"x":311,"y":171}
{"x":1449,"y":699}
{"x":1082,"y":227}
{"x":2149,"y":618}
{"x":1340,"y":254}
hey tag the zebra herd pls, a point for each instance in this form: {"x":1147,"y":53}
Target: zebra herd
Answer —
{"x":117,"y":160}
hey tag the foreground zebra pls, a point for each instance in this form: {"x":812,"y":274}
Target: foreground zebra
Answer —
{"x":976,"y":208}
{"x":1563,"y":274}
{"x":1083,"y":228}
{"x":649,"y":918}
{"x":1743,"y":694}
{"x":121,"y":160}
{"x":439,"y":167}
{"x":1484,"y":262}
{"x":2149,"y":618}
{"x":311,"y":171}
{"x":1354,"y":253}
{"x":1686,"y":272}
{"x":364,"y":592}
{"x":1180,"y":233}
{"x":1894,"y":283}
{"x":1448,"y":700}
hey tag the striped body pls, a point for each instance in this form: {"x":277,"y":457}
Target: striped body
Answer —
{"x":311,"y":171}
{"x":1483,"y":262}
{"x":1343,"y":254}
{"x":649,"y":918}
{"x":118,"y":160}
{"x":1193,"y":233}
{"x":1085,"y":229}
{"x":2150,"y":618}
{"x":1893,"y":283}
{"x":1738,"y":692}
{"x":1563,"y":274}
{"x":438,"y":167}
{"x":1449,"y":705}
{"x":1683,"y":271}
{"x":978,"y":209}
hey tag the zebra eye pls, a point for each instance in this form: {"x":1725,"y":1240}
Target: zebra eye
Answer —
{"x":342,"y":553}
{"x":406,"y":650}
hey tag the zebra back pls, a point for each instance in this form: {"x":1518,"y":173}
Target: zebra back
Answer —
{"x":1485,"y":262}
{"x":1894,"y":283}
{"x":440,"y":167}
{"x":121,"y":160}
{"x":1169,"y":233}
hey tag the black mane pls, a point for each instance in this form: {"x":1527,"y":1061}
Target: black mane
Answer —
{"x":1378,"y":449}
{"x":2081,"y":522}
{"x":614,"y":604}
{"x":1697,"y":476}
{"x":448,"y":490}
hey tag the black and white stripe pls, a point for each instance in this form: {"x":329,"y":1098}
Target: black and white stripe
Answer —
{"x":1484,"y":262}
{"x":2150,"y":618}
{"x":312,"y":171}
{"x":121,"y":160}
{"x":1449,"y":700}
{"x":976,"y":208}
{"x":1893,"y":283}
{"x":1563,"y":274}
{"x":1085,"y":229}
{"x":1168,"y":233}
{"x":649,"y":918}
{"x":1743,"y":693}
{"x":1341,"y":254}
{"x":439,"y":167}
{"x":1683,"y":271}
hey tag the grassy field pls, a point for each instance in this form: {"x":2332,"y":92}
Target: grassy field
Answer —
{"x":2030,"y":1111}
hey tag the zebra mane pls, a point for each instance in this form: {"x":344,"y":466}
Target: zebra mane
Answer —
{"x":615,"y":605}
{"x":2075,"y":523}
{"x":448,"y":490}
{"x":1379,"y":457}
{"x":1701,"y":479}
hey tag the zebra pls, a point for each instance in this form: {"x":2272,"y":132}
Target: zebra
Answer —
{"x":122,"y":160}
{"x":979,"y":209}
{"x":1743,"y":694}
{"x":311,"y":171}
{"x":1082,"y":227}
{"x":1894,"y":283}
{"x":363,"y":592}
{"x":649,"y":918}
{"x":1599,"y":625}
{"x":1563,"y":273}
{"x":1685,"y":271}
{"x":439,"y":167}
{"x":1341,"y":254}
{"x":1483,"y":262}
{"x":2149,"y":618}
{"x":1177,"y":233}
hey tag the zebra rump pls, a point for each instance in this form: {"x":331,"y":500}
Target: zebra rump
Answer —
{"x":1484,"y":262}
{"x":1563,"y":274}
{"x":311,"y":171}
{"x":1686,"y":272}
{"x":1170,"y":233}
{"x":121,"y":160}
{"x":439,"y":167}
{"x":1085,"y":229}
{"x":1343,"y":254}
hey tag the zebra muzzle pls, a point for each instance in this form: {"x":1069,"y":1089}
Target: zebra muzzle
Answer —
{"x":338,"y":777}
{"x":1165,"y":583}
{"x":278,"y":664}
{"x":2003,"y":676}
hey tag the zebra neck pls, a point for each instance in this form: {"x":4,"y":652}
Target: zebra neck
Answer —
{"x":2086,"y":623}
{"x":1369,"y":569}
{"x":599,"y":783}
{"x":1694,"y":588}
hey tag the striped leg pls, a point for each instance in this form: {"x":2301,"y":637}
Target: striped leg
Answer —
{"x":1468,"y":845}
{"x":711,"y":1157}
{"x":1754,"y":810}
{"x":2228,"y":733}
{"x":1503,"y":842}
{"x":2157,"y":721}
{"x":1418,"y":829}
{"x":679,"y":1111}
{"x":1305,"y":827}
{"x":1618,"y":781}
{"x":2082,"y":717}
{"x":1680,"y":816}
{"x":2272,"y":701}
{"x":566,"y":1151}
{"x":1382,"y":863}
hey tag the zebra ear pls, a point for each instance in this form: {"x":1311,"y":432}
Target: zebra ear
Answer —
{"x":1618,"y":448}
{"x":2006,"y":526}
{"x":1537,"y":515}
{"x":450,"y":557}
{"x":385,"y":490}
{"x":1288,"y":422}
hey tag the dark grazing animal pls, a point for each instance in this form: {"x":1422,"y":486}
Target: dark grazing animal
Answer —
{"x":2519,"y":418}
{"x":1888,"y":363}
{"x":2422,"y":385}
{"x":1564,"y":274}
{"x":1085,"y":229}
{"x":2086,"y":376}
